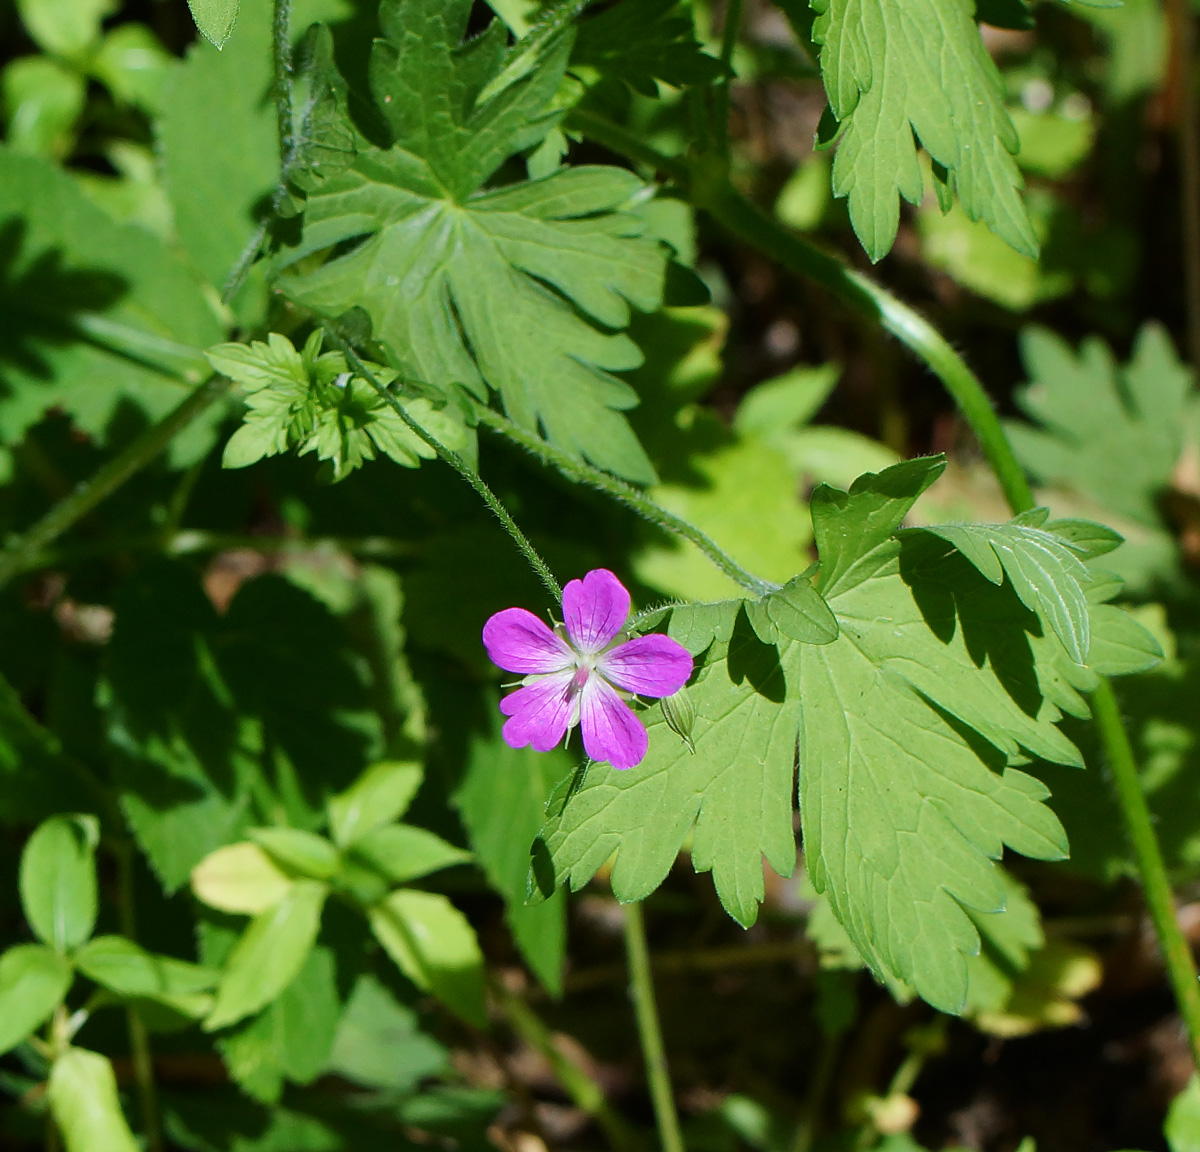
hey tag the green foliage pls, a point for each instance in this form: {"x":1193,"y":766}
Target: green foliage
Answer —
{"x":1090,"y":412}
{"x":899,"y":75}
{"x":83,"y":1100}
{"x":215,"y":18}
{"x":33,"y":982}
{"x":310,"y":402}
{"x":642,"y":41}
{"x":434,"y":263}
{"x":911,"y":714}
{"x":96,"y":316}
{"x":58,"y":880}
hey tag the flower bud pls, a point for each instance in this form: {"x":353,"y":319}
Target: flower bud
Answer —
{"x":680,"y":715}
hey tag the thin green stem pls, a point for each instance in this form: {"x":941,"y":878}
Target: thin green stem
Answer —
{"x":17,"y":555}
{"x":641,"y":990}
{"x":721,"y":91}
{"x":459,"y":465}
{"x":584,"y":473}
{"x":1181,"y":968}
{"x":281,"y":54}
{"x":587,"y":1094}
{"x":140,"y":1054}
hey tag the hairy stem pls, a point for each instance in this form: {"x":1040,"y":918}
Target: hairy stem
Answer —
{"x":1181,"y":968}
{"x":281,"y":54}
{"x":459,"y":465}
{"x":641,"y":990}
{"x":584,"y":473}
{"x":140,"y":1054}
{"x":587,"y":1094}
{"x":17,"y":555}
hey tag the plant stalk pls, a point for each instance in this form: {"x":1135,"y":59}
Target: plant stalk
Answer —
{"x":587,"y":1094}
{"x":583,"y":473}
{"x":140,"y":1054}
{"x":641,"y":991}
{"x":721,"y":92}
{"x":459,"y":465}
{"x":1177,"y":955}
{"x":18,"y":553}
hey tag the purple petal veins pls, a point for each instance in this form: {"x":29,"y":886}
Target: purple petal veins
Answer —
{"x":576,"y":680}
{"x":653,"y":665}
{"x":611,"y":731}
{"x":595,"y":610}
{"x":518,"y":641}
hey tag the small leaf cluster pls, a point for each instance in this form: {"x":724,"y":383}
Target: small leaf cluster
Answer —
{"x":282,"y":876}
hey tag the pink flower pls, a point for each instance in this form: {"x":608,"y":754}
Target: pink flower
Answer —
{"x":574,"y":679}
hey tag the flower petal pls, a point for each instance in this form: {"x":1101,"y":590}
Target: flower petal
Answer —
{"x":610,"y":729}
{"x":518,"y":641}
{"x":653,"y":665}
{"x":595,"y":609}
{"x":540,"y":713}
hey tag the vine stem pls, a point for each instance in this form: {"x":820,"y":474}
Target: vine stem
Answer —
{"x":712,"y":191}
{"x":586,"y":474}
{"x":456,"y":462}
{"x":721,"y":94}
{"x":17,"y":555}
{"x":641,"y":990}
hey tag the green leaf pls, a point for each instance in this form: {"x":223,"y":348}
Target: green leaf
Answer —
{"x":269,"y":954}
{"x":643,"y":41}
{"x":502,"y":802}
{"x":795,"y":612}
{"x":910,"y":721}
{"x":43,"y":100}
{"x":378,"y":1043}
{"x":292,"y":1037}
{"x":434,"y":945}
{"x":310,"y":402}
{"x":379,"y":796}
{"x":734,"y":790}
{"x":434,"y":261}
{"x":58,"y":880}
{"x":33,"y":982}
{"x":1045,"y":570}
{"x":95,"y":316}
{"x":304,"y":853}
{"x":899,"y":74}
{"x":1088,"y":411}
{"x":215,"y":19}
{"x":240,"y":878}
{"x":403,"y":853}
{"x":64,"y":27}
{"x":132,"y":973}
{"x":82,"y":1091}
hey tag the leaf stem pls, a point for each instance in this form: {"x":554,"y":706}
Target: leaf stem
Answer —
{"x":588,"y":1095}
{"x":641,"y":990}
{"x":458,"y":464}
{"x":584,"y":473}
{"x":140,"y":1054}
{"x":281,"y":54}
{"x":1177,"y":955}
{"x":17,"y":555}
